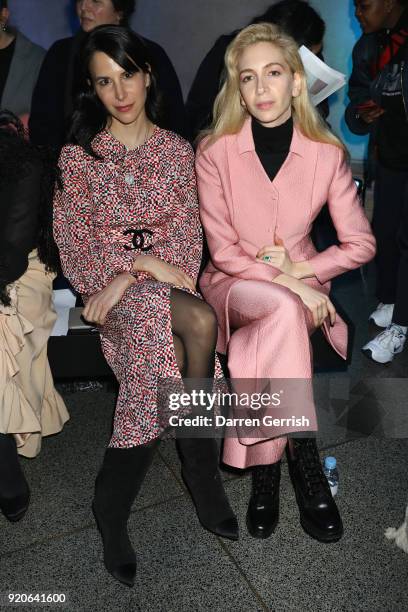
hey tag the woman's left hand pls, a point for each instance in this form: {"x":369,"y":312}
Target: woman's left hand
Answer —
{"x":99,"y":304}
{"x":277,"y":256}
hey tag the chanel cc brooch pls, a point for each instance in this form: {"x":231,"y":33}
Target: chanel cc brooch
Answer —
{"x":138,"y":239}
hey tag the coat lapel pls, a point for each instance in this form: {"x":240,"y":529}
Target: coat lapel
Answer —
{"x":261,"y":207}
{"x":24,"y":68}
{"x":246,"y":148}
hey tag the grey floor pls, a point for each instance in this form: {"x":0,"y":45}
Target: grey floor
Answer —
{"x":56,"y":547}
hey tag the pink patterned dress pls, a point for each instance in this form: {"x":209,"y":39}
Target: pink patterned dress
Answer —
{"x":108,"y":211}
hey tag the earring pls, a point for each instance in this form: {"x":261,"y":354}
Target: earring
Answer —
{"x":4,"y":27}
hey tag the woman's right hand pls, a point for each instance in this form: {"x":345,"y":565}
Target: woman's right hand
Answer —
{"x":318,"y":303}
{"x":163,"y":272}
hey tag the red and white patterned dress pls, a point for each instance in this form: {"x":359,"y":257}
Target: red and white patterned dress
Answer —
{"x":109,"y":211}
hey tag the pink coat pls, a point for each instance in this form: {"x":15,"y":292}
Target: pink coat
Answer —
{"x":241,"y":210}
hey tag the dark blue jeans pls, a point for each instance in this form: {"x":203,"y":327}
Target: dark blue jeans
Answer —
{"x":390,"y":227}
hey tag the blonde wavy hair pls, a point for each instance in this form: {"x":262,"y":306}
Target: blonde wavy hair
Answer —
{"x":228,"y":113}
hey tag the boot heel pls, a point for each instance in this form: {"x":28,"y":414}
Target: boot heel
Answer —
{"x":116,"y":487}
{"x":211,"y":503}
{"x":15,"y":509}
{"x":319,"y":515}
{"x":203,"y":480}
{"x":119,"y":556}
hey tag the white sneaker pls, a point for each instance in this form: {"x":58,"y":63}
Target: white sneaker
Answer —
{"x":382,"y":315}
{"x":386,"y":345}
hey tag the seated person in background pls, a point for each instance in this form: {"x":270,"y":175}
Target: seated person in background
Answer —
{"x":30,"y":407}
{"x":378,"y":92}
{"x":295,"y":17}
{"x":53,"y":97}
{"x":20,"y":62}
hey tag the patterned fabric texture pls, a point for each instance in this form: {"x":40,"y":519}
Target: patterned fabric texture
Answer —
{"x":106,"y":212}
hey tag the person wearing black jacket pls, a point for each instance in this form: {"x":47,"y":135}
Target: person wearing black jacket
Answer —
{"x":378,"y":92}
{"x":30,"y":407}
{"x":53,"y":97}
{"x":295,"y":17}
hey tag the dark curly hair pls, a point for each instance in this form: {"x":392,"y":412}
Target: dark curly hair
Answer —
{"x":16,"y":157}
{"x":129,"y":51}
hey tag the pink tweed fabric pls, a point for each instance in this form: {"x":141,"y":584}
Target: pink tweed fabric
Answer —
{"x":108,"y":211}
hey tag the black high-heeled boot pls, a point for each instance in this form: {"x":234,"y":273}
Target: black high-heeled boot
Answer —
{"x":263,"y":508}
{"x":117,"y":484}
{"x":14,"y":490}
{"x":319,"y":515}
{"x":203,"y":479}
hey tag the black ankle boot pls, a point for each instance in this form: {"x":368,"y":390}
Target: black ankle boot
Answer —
{"x":117,"y":484}
{"x":319,"y":515}
{"x":14,"y":490}
{"x":263,"y":508}
{"x":203,"y":479}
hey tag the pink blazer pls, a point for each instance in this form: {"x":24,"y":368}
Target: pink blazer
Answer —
{"x":241,"y":210}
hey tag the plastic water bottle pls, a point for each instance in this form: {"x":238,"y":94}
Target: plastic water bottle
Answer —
{"x":332,"y":475}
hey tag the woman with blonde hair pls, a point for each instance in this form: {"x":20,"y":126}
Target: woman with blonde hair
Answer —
{"x":265,"y":169}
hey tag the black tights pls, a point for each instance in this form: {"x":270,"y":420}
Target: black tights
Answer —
{"x":194,"y":327}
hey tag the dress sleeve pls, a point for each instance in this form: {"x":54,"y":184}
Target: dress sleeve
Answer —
{"x":357,"y":243}
{"x":191,"y":248}
{"x":184,"y":243}
{"x":87,"y":263}
{"x":227,"y":254}
{"x":19,"y":221}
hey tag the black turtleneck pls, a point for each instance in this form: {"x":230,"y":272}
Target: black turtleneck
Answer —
{"x":272,"y":145}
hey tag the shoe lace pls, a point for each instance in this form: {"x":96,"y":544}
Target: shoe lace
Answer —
{"x":392,"y":336}
{"x":265,"y":479}
{"x":309,"y":461}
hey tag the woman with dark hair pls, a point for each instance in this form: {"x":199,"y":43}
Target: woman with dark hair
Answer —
{"x":52,"y":106}
{"x":378,"y":92}
{"x":127,"y":226}
{"x":20,"y":62}
{"x":30,"y":407}
{"x":295,"y":17}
